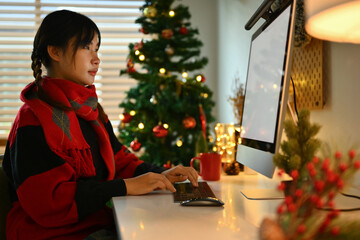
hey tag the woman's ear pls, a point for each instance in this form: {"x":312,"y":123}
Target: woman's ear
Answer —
{"x":55,"y":53}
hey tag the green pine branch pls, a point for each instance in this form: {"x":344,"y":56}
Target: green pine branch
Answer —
{"x":301,"y":144}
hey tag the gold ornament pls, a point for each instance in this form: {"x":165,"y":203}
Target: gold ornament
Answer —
{"x":150,"y":12}
{"x":169,"y":50}
{"x":153,"y":99}
{"x":167,"y":33}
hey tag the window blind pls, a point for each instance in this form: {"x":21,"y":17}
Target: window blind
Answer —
{"x":19,"y":20}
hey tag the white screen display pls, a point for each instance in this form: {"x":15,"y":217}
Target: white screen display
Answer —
{"x":264,"y":80}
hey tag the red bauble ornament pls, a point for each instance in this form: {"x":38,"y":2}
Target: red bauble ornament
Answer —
{"x":167,"y":165}
{"x":130,"y":63}
{"x":130,"y":70}
{"x":135,"y":145}
{"x":183,"y":30}
{"x":200,"y":78}
{"x":126,"y":118}
{"x":159,"y":131}
{"x":143,"y":31}
{"x":139,"y":45}
{"x":167,"y":33}
{"x":189,"y":122}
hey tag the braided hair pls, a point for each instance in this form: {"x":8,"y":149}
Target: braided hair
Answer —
{"x":57,"y":29}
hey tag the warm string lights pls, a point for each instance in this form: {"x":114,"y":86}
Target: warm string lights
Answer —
{"x":142,"y":57}
{"x":162,"y":70}
{"x":151,"y":12}
{"x":204,"y":95}
{"x":179,"y":142}
{"x":225,"y":143}
{"x":141,"y":125}
{"x":184,"y":74}
{"x":127,"y":117}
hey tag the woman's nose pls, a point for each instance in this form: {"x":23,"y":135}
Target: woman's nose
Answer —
{"x":96,"y":59}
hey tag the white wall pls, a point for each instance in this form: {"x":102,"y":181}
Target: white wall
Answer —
{"x":226,"y":44}
{"x":340,"y":118}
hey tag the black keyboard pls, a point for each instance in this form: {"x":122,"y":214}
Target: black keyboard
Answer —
{"x":186,"y":191}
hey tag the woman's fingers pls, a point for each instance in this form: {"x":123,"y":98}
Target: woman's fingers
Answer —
{"x":181,"y":173}
{"x":168,"y":184}
{"x":193,"y":177}
{"x":161,"y":182}
{"x":148,"y":182}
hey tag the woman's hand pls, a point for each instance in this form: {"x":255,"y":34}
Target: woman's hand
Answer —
{"x":181,"y":173}
{"x":148,"y":182}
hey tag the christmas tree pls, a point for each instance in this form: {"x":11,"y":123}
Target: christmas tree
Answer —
{"x":166,"y":115}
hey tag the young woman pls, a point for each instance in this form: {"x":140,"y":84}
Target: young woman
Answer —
{"x":62,"y":158}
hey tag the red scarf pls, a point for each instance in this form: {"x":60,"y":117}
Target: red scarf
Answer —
{"x":61,"y":128}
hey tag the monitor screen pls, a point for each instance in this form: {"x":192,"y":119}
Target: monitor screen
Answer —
{"x":266,"y":92}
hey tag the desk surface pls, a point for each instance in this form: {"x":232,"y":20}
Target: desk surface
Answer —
{"x":156,"y":216}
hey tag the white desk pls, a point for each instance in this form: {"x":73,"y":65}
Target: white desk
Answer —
{"x":156,"y":216}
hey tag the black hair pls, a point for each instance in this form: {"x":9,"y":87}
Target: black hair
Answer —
{"x":57,"y":29}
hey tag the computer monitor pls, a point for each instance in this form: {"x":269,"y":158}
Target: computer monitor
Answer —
{"x":266,"y":91}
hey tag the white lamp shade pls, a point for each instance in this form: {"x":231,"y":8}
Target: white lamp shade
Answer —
{"x":333,"y":20}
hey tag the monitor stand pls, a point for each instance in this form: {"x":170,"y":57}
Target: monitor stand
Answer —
{"x":260,"y":162}
{"x":268,"y":193}
{"x":262,"y":194}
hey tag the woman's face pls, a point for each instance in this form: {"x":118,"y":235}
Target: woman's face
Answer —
{"x":82,"y":67}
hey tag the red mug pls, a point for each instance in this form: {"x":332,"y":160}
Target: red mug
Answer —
{"x":210,"y":166}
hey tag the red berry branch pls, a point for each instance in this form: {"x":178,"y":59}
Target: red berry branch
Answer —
{"x":308,"y":211}
{"x":301,"y":215}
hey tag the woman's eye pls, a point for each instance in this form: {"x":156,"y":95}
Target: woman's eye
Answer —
{"x":87,"y":47}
